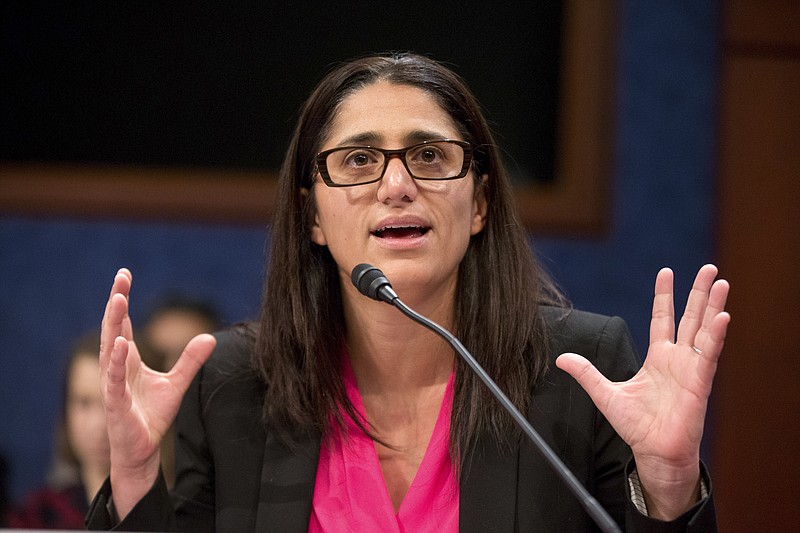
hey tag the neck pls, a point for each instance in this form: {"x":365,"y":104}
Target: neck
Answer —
{"x":390,"y":353}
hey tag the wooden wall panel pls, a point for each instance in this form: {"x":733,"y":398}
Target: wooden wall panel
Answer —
{"x":756,"y":403}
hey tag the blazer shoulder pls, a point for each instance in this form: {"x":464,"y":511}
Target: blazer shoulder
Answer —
{"x":229,"y":369}
{"x":569,"y":319}
{"x":233,"y":351}
{"x":604,"y":340}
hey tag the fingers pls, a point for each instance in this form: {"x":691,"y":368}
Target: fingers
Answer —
{"x":662,"y":323}
{"x":706,"y":300}
{"x":593,"y":382}
{"x":113,"y":376}
{"x":115,"y":318}
{"x":193,"y":357}
{"x":704,"y":323}
{"x":697,"y":306}
{"x":711,"y":337}
{"x":707,"y":338}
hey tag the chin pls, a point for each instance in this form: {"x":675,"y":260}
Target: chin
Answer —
{"x":415,"y":276}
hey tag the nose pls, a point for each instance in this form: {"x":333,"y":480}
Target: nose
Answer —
{"x":397,"y":185}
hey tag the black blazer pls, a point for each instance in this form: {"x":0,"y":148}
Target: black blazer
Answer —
{"x":233,"y":475}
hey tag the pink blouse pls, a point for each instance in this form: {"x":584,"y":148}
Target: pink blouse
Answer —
{"x":350,"y":493}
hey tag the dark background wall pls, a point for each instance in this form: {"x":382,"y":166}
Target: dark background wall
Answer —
{"x":55,"y":273}
{"x":219,"y":85}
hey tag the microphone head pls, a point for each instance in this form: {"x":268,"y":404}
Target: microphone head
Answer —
{"x":369,"y":281}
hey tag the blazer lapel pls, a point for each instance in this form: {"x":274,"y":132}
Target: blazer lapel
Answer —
{"x":287,"y":484}
{"x":488,"y":492}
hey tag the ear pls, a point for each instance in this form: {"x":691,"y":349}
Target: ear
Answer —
{"x":317,"y":235}
{"x":479,"y":207}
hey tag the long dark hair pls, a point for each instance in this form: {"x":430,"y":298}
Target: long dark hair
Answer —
{"x":299,"y":344}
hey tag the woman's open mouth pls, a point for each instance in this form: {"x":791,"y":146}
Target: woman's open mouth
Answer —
{"x":400,"y":232}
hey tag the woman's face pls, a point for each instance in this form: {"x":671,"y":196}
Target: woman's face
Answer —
{"x":86,"y":420}
{"x":416,"y":231}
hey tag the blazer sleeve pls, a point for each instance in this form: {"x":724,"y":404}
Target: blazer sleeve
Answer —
{"x":700,"y":518}
{"x":152,"y":513}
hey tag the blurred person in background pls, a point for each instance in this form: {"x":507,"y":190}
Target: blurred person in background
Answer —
{"x":81,"y":452}
{"x":174,"y":321}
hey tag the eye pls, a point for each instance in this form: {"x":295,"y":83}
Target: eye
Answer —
{"x":80,"y":402}
{"x":361,"y":158}
{"x":428,"y":154}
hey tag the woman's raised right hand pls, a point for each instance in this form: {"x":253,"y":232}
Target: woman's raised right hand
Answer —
{"x":140,"y":403}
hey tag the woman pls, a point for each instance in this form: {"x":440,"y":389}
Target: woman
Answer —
{"x":339,"y":414}
{"x":81,"y":459}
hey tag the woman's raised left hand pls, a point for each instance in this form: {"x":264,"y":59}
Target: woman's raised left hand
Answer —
{"x":660,"y":412}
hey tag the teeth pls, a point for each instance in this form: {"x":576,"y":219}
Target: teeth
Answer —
{"x":400,"y":227}
{"x":421,"y":229}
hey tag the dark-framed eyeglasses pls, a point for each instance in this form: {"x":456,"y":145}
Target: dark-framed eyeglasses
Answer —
{"x":347,"y":166}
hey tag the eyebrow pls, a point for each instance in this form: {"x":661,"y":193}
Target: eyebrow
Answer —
{"x":371,"y":138}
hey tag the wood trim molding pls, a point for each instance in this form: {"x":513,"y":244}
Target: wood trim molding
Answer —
{"x":138,"y":193}
{"x":577,"y":202}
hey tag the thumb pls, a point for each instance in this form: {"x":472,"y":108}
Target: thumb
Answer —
{"x":593,"y":382}
{"x":194,"y":356}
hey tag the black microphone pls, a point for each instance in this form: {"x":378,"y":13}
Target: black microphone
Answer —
{"x":371,"y":282}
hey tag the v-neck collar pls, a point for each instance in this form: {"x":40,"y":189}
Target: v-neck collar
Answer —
{"x":350,"y":489}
